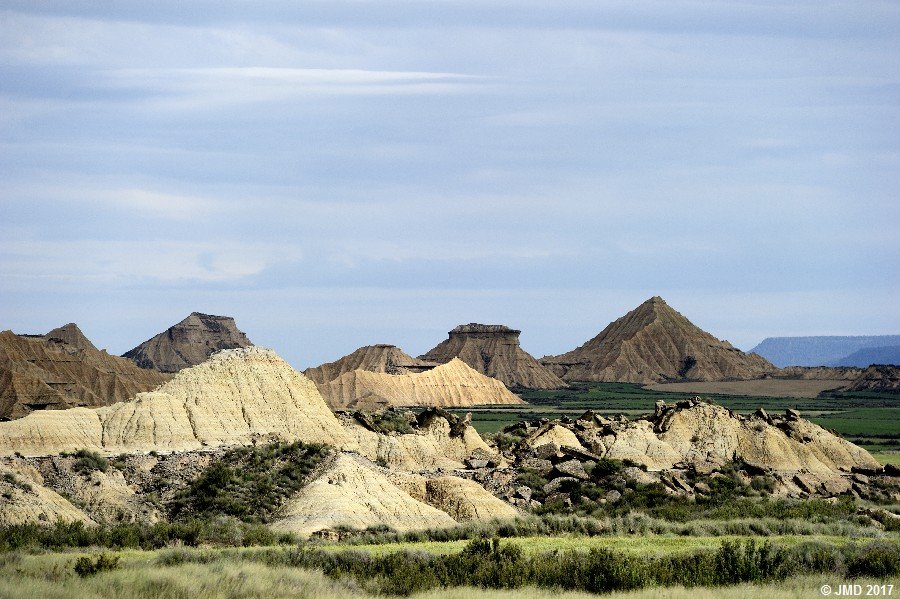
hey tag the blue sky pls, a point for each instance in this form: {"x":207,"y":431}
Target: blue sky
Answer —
{"x":334,"y":174}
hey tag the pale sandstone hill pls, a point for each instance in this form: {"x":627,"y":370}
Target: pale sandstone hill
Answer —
{"x":352,"y":493}
{"x":47,"y":372}
{"x":25,"y":502}
{"x":465,"y":500}
{"x":494,"y":350}
{"x":188,"y":343}
{"x":389,"y":359}
{"x":235,"y":398}
{"x":454,"y":384}
{"x":654,"y":343}
{"x":878,"y":377}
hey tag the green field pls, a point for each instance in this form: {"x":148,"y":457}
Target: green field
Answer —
{"x":868,"y":419}
{"x":637,"y":545}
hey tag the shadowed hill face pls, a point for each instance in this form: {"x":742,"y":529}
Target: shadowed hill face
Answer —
{"x":878,"y":377}
{"x":383,"y":358}
{"x":46,"y":372}
{"x":188,"y":343}
{"x":654,"y":343}
{"x":70,"y":335}
{"x":494,"y":350}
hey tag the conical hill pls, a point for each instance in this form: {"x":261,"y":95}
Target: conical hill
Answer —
{"x":188,"y":343}
{"x":384,"y":358}
{"x":654,"y":343}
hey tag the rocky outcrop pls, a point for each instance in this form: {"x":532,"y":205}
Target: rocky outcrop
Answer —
{"x":494,"y":350}
{"x":61,"y":370}
{"x":654,"y":343}
{"x":388,"y":359}
{"x":818,"y":373}
{"x":25,"y":502}
{"x":71,"y":337}
{"x":188,"y":343}
{"x":454,"y":384}
{"x":881,"y":378}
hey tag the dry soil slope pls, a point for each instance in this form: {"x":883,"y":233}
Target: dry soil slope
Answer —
{"x":388,"y":359}
{"x":47,"y":372}
{"x":883,"y":378}
{"x":654,"y":343}
{"x":454,"y":384}
{"x":494,"y":350}
{"x":188,"y":343}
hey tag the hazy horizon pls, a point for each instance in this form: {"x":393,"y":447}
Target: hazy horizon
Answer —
{"x":337,"y":174}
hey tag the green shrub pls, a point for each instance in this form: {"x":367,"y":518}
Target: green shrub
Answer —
{"x":88,"y":461}
{"x":249,"y":483}
{"x":85,"y":566}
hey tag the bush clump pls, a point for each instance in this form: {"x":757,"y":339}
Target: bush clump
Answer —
{"x":85,"y":566}
{"x":88,"y":461}
{"x":249,"y":483}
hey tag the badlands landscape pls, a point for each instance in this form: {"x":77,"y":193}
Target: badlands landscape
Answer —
{"x":459,"y":467}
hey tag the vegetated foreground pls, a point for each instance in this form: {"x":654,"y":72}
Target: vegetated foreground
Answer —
{"x":307,"y":571}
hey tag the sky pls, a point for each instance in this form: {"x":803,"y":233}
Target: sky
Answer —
{"x":335,"y":174}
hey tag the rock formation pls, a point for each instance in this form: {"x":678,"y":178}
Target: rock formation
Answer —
{"x":454,"y":384}
{"x":679,"y":445}
{"x":494,"y":350}
{"x":62,"y":369}
{"x":654,"y":343}
{"x":70,"y":336}
{"x":242,"y":396}
{"x":188,"y":343}
{"x":388,"y":359}
{"x":881,"y":378}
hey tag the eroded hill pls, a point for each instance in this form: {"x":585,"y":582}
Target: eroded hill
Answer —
{"x":494,"y":350}
{"x":63,"y":369}
{"x":654,"y":343}
{"x":188,"y":343}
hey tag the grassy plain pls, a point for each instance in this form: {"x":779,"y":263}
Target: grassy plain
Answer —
{"x":871,"y":420}
{"x":259,"y":572}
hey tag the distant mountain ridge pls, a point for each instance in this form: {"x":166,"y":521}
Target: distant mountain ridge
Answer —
{"x":872,"y":355}
{"x":825,"y":350}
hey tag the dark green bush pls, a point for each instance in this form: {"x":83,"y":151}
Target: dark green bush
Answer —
{"x":85,"y":566}
{"x":249,"y":483}
{"x":89,"y":461}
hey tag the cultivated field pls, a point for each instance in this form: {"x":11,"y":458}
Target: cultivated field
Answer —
{"x":762,"y":387}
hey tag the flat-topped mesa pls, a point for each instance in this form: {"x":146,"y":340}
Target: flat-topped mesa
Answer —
{"x":381,"y":357}
{"x":654,"y":343}
{"x":493,"y":350}
{"x":188,"y":343}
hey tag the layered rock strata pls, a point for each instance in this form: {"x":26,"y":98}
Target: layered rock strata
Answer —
{"x":388,"y":359}
{"x":494,"y":350}
{"x":454,"y":384}
{"x":654,"y":343}
{"x":188,"y":343}
{"x":62,"y":369}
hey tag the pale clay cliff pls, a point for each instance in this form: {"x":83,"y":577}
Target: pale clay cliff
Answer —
{"x":388,"y":359}
{"x":454,"y":384}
